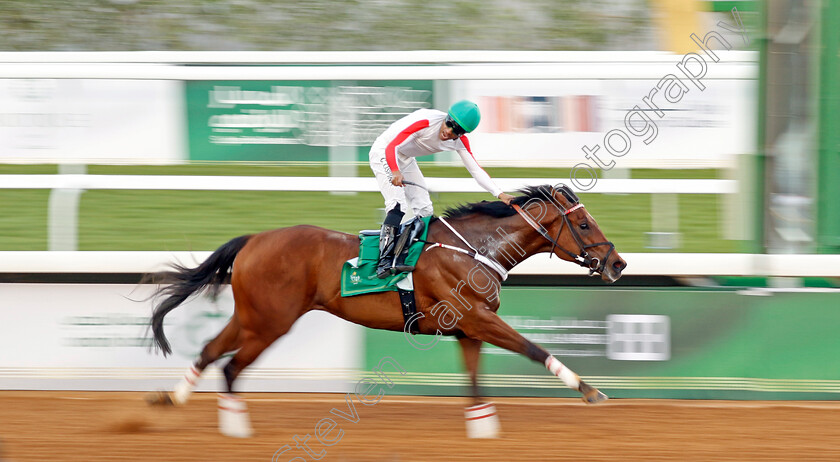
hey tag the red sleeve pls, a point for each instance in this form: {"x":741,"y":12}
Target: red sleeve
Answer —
{"x":391,"y":150}
{"x":466,"y":142}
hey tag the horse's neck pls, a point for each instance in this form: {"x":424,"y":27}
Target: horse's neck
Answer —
{"x":507,"y":240}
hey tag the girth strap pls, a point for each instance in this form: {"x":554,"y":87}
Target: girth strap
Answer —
{"x":409,"y":309}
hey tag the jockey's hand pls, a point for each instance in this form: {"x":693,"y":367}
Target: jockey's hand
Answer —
{"x":397,"y":179}
{"x":506,"y":198}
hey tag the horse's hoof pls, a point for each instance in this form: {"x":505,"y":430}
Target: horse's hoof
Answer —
{"x":591,"y":395}
{"x":594,"y":397}
{"x":158,"y":398}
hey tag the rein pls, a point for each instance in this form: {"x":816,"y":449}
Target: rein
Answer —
{"x":583,"y":259}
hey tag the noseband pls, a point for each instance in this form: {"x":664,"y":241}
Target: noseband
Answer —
{"x":583,"y":258}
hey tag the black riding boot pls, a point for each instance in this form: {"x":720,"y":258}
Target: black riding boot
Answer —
{"x":403,"y":246}
{"x":387,"y":236}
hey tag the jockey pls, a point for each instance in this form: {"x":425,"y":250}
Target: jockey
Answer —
{"x":423,"y":132}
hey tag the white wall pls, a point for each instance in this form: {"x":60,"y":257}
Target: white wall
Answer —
{"x":92,"y":121}
{"x":92,"y":337}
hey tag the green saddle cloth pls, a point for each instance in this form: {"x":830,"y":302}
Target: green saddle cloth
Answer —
{"x":358,"y":275}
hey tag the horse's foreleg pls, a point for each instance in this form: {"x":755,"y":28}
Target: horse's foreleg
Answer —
{"x":481,"y":418}
{"x":471,"y":349}
{"x":491,"y":329}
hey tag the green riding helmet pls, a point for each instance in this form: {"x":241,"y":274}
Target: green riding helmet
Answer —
{"x":466,"y":114}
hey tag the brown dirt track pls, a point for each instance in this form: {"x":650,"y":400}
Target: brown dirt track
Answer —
{"x":82,"y":426}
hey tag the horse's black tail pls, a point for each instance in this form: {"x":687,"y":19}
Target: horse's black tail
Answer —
{"x":181,"y":282}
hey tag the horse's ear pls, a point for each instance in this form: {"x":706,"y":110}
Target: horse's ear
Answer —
{"x":568,"y":193}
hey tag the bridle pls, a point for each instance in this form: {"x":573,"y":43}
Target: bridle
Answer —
{"x":594,"y":264}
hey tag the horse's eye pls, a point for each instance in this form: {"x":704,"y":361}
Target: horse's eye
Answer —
{"x":584,"y":225}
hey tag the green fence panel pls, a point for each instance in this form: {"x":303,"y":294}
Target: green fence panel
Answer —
{"x":643,"y":343}
{"x":828,"y":103}
{"x":293,"y":120}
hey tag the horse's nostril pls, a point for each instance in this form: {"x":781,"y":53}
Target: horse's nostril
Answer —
{"x":619,"y":265}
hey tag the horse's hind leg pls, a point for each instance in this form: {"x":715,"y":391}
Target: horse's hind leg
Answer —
{"x":233,"y":413}
{"x":481,"y":418}
{"x":227,"y":340}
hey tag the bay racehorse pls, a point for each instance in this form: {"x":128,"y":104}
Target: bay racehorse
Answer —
{"x":279,"y":275}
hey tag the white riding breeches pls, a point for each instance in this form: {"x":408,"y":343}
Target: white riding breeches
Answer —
{"x":407,"y":196}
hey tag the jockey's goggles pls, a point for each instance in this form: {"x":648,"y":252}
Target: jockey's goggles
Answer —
{"x":456,"y":129}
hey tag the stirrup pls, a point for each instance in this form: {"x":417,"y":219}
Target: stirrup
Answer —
{"x":399,"y":265}
{"x":397,"y":269}
{"x":384,"y":270}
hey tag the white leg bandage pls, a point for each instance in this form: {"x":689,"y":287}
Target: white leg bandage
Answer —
{"x":233,"y":416}
{"x":564,"y":373}
{"x":185,"y":387}
{"x":482,"y":421}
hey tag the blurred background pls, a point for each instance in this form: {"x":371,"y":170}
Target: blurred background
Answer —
{"x":243,"y":25}
{"x":134,"y":132}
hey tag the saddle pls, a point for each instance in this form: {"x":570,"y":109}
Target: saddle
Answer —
{"x":358,"y":275}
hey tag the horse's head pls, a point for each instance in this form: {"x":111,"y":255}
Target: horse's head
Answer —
{"x":570,"y":231}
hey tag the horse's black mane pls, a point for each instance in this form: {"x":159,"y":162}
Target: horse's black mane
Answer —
{"x":499,"y":209}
